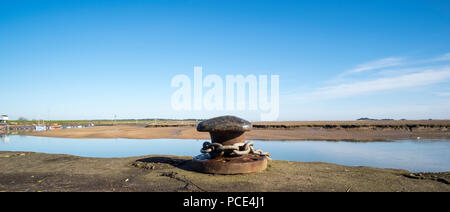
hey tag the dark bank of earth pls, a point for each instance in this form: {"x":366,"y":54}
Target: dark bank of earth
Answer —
{"x":23,"y":171}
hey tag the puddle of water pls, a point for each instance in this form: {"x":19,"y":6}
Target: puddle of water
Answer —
{"x":413,"y":155}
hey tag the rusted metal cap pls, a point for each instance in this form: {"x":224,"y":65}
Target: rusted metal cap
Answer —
{"x":226,"y":130}
{"x":224,"y":124}
{"x":230,"y":165}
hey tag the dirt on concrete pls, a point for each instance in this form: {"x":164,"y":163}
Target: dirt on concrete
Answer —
{"x":25,"y":171}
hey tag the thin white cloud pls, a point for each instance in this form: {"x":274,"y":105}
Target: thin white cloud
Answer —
{"x":390,"y":62}
{"x":391,"y":73}
{"x":444,"y":57}
{"x":441,"y":58}
{"x":422,"y":78}
{"x":442,"y":93}
{"x":378,"y":64}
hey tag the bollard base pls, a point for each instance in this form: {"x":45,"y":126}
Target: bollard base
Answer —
{"x":229,"y":165}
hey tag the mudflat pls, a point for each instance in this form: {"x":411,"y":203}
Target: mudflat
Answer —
{"x":314,"y":130}
{"x":25,"y":171}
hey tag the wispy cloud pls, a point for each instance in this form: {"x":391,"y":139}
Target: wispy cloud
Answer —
{"x":378,"y":64}
{"x":425,"y":77}
{"x":404,"y":81}
{"x":394,"y":63}
{"x":391,"y":73}
{"x":442,"y":93}
{"x":372,"y":67}
{"x":444,"y":57}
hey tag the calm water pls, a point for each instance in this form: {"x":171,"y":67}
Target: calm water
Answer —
{"x":413,"y":155}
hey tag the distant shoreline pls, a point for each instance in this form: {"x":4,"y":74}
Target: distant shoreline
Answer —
{"x":307,"y":130}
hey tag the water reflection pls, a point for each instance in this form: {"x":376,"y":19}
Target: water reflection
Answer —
{"x":413,"y":155}
{"x":4,"y":137}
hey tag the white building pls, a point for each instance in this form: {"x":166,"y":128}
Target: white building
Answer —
{"x":4,"y":119}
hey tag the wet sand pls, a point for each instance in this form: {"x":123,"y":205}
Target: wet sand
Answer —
{"x":307,"y":132}
{"x":22,"y":171}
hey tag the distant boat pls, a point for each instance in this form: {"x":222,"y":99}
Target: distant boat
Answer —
{"x":55,"y":127}
{"x":40,"y":128}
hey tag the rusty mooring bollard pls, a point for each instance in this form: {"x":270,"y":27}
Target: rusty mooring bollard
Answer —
{"x":227,"y":153}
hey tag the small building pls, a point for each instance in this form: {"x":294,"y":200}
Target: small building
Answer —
{"x":4,"y":119}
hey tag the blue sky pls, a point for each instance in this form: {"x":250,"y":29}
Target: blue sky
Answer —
{"x":337,"y":60}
